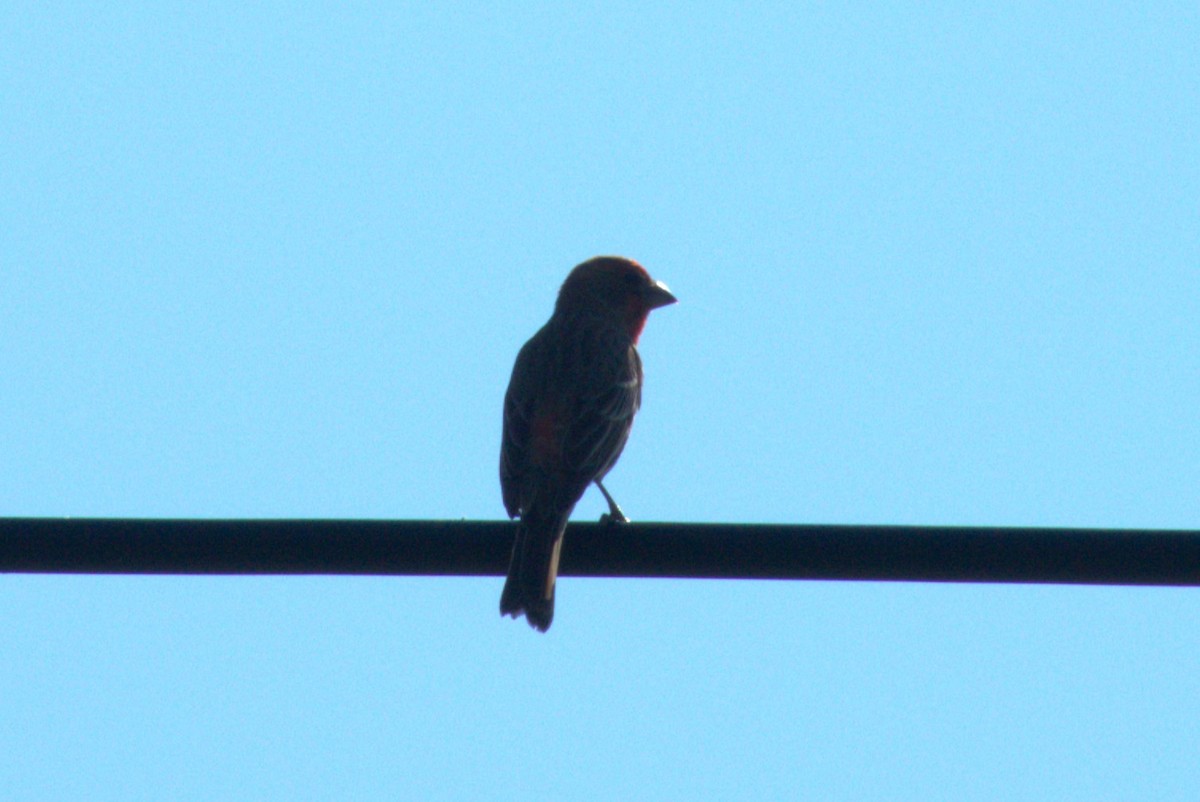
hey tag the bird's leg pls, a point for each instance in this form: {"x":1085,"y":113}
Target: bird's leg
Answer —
{"x":614,"y":514}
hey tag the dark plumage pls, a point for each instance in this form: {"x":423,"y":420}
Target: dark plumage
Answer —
{"x":574,"y":391}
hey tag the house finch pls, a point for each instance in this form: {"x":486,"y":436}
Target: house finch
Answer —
{"x":574,"y":390}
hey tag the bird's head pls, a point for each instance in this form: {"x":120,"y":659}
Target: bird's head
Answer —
{"x":616,"y":286}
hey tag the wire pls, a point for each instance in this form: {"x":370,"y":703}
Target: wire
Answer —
{"x":701,"y":551}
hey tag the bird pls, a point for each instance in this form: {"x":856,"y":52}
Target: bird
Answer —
{"x":575,"y":388}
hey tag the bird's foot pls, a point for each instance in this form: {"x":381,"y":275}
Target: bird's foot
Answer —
{"x":614,"y":514}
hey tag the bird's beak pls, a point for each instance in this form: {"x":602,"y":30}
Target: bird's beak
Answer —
{"x":657,"y":295}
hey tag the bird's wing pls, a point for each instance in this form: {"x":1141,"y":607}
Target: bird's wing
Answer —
{"x":610,"y":394}
{"x":519,"y":406}
{"x":567,"y":414}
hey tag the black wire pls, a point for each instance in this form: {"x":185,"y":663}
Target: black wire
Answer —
{"x":703,"y":551}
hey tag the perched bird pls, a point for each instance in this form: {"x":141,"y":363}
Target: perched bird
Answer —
{"x":570,"y":403}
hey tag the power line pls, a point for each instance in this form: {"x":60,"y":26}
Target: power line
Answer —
{"x":702,"y":551}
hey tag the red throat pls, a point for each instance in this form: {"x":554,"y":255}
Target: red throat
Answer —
{"x":635,"y":317}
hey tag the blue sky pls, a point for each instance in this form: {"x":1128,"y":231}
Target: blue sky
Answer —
{"x":935,"y":266}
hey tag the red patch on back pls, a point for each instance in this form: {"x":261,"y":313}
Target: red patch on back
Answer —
{"x":544,"y":433}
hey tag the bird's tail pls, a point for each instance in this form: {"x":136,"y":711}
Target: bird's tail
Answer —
{"x":533,"y":569}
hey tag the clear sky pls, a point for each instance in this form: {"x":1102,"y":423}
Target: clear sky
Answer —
{"x":935,"y":266}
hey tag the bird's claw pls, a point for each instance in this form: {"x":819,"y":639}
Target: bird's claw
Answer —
{"x":614,"y":514}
